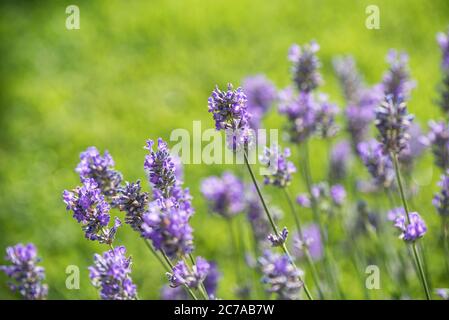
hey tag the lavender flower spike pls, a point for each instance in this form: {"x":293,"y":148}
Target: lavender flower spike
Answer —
{"x":160,"y":167}
{"x":168,"y":229}
{"x":338,"y":194}
{"x":27,"y":276}
{"x":396,"y":81}
{"x":181,"y":275}
{"x":260,"y":93}
{"x":280,"y":168}
{"x":379,"y":165}
{"x":305,"y":66}
{"x":349,"y":78}
{"x":393,"y":122}
{"x":99,"y":168}
{"x":131,"y":200}
{"x":413,"y":230}
{"x":229,"y":108}
{"x":277,"y":241}
{"x":91,"y":210}
{"x":225,"y":194}
{"x":311,"y":240}
{"x":281,"y":276}
{"x":441,"y":199}
{"x":438,"y":139}
{"x":111,"y":273}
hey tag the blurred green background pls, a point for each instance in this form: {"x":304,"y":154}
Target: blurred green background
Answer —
{"x":137,"y":70}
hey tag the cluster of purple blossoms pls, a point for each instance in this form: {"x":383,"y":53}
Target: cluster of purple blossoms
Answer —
{"x":90,"y":208}
{"x":160,"y":167}
{"x":281,"y":276}
{"x":278,"y":240}
{"x":441,"y":199}
{"x":325,"y":117}
{"x":305,"y":66}
{"x":410,"y":230}
{"x":133,"y":202}
{"x":281,"y":170}
{"x":100,"y":169}
{"x":27,"y":276}
{"x":260,"y":93}
{"x":224,"y":194}
{"x":349,"y":78}
{"x":182,"y":275}
{"x":168,"y":229}
{"x":396,"y":81}
{"x":229,"y":108}
{"x":339,"y":160}
{"x":311,"y":239}
{"x":111,"y":274}
{"x":438,"y":140}
{"x":379,"y":165}
{"x":443,"y":293}
{"x":393,"y":122}
{"x":301,"y":111}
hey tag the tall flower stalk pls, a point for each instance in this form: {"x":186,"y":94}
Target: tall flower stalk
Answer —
{"x":393,"y":123}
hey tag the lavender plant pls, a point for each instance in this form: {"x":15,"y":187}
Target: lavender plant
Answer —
{"x":26,"y":275}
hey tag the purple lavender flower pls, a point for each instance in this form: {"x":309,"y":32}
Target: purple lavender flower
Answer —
{"x":261,"y":93}
{"x":311,"y":240}
{"x":303,"y":200}
{"x":229,"y":108}
{"x":443,"y":42}
{"x":212,"y":279}
{"x":111,"y":274}
{"x":443,"y":89}
{"x":349,"y":78}
{"x":301,"y":111}
{"x":278,"y":240}
{"x":182,"y":275}
{"x":441,"y":199}
{"x":410,"y":231}
{"x":225,"y":194}
{"x":281,"y":170}
{"x":338,"y":194}
{"x":340,"y":160}
{"x":393,"y":122}
{"x":378,"y":164}
{"x":414,"y":148}
{"x":438,"y":139}
{"x":160,"y":167}
{"x":305,"y":66}
{"x":91,"y":210}
{"x":168,"y":229}
{"x":27,"y":276}
{"x":325,"y":117}
{"x":396,"y":81}
{"x":131,"y":200}
{"x":99,"y":168}
{"x":283,"y":279}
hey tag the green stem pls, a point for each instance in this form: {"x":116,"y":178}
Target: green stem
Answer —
{"x":305,"y":247}
{"x":273,"y":225}
{"x":150,"y":247}
{"x":406,"y":209}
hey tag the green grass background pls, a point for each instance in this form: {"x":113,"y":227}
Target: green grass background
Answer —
{"x":137,"y":70}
